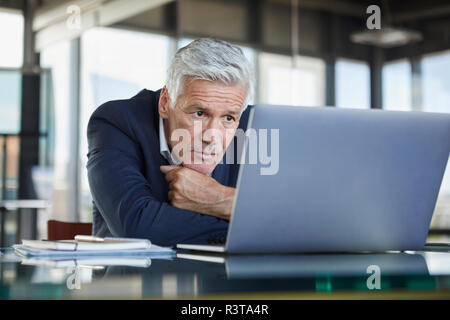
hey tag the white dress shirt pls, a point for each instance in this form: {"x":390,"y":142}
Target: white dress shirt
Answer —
{"x":163,"y":147}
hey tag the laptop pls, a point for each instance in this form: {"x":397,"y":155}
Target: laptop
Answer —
{"x":348,"y":180}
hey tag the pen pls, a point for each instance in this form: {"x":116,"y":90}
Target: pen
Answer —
{"x":83,"y":238}
{"x":127,"y":239}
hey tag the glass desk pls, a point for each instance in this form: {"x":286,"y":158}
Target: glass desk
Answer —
{"x":406,"y":275}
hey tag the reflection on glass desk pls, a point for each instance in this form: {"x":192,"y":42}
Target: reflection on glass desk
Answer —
{"x":302,"y":276}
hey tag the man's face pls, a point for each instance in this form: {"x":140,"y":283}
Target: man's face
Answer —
{"x":209,"y":112}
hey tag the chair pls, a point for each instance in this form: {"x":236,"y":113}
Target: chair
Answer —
{"x":58,"y":230}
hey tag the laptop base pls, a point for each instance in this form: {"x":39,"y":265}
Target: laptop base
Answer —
{"x":202,"y":247}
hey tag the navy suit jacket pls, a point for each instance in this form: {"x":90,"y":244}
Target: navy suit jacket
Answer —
{"x":128,"y":189}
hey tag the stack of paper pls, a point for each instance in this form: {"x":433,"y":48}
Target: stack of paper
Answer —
{"x":140,"y":262}
{"x":106,"y":247}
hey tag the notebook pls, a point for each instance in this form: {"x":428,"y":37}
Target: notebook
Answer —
{"x":76,"y":248}
{"x":74,"y":245}
{"x":140,"y":262}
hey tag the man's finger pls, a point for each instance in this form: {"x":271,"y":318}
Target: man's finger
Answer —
{"x":170,"y":171}
{"x":166,"y":169}
{"x":171,"y":175}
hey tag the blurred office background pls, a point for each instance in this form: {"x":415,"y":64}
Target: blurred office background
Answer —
{"x":59,"y":60}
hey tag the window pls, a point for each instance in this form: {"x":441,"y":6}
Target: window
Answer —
{"x":10,"y":93}
{"x":352,"y":84}
{"x":436,"y":97}
{"x":11,"y":38}
{"x":57,"y":58}
{"x":284,"y":80}
{"x":116,"y":64}
{"x":436,"y":82}
{"x":11,"y":59}
{"x":397,"y":85}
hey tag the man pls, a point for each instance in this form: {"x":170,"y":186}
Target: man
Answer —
{"x":141,"y":187}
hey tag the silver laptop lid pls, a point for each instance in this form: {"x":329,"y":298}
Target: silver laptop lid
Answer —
{"x":348,"y":180}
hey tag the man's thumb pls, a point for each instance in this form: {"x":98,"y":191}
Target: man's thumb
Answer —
{"x":168,"y":168}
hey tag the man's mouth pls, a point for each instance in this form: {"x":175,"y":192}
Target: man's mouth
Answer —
{"x":205,"y":154}
{"x":210,"y":151}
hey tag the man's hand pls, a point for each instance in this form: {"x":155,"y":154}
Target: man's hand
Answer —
{"x":194,"y":191}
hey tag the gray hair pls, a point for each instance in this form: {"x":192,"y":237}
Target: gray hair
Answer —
{"x":212,"y":60}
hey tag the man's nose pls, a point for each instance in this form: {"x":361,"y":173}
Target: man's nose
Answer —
{"x":213,"y":132}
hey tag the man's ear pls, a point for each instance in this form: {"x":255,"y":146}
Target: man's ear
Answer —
{"x":164,"y":103}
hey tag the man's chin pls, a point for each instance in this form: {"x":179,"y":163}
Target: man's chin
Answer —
{"x":205,"y":168}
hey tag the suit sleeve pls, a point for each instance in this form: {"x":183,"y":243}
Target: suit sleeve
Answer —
{"x":124,"y":197}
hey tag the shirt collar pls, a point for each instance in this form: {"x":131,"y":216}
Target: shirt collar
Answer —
{"x":163,"y":146}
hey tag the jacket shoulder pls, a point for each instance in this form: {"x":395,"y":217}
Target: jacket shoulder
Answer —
{"x":127,"y":114}
{"x":117,"y":109}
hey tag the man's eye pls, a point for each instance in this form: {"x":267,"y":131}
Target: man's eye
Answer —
{"x":199,"y":113}
{"x":229,"y":118}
